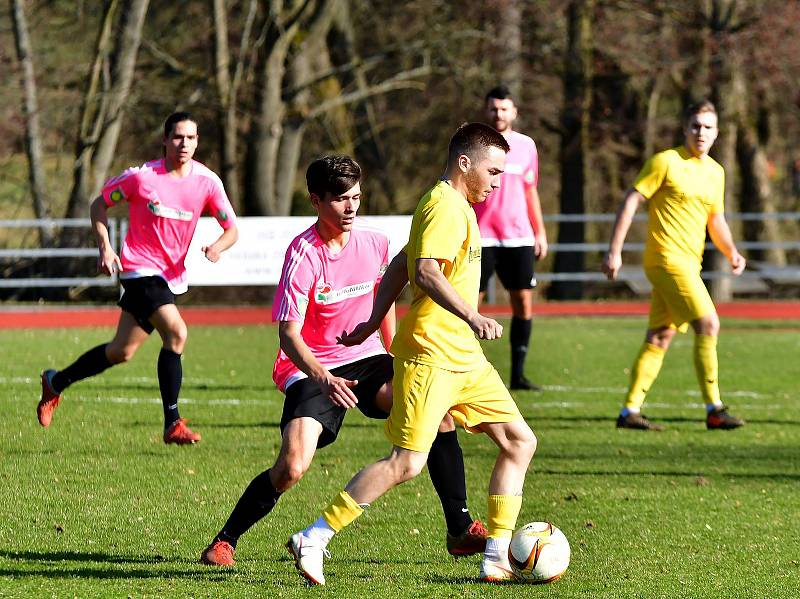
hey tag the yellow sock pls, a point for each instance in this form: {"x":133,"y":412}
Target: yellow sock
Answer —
{"x":707,"y":368}
{"x":503,"y":512}
{"x":645,"y":370}
{"x":342,"y":511}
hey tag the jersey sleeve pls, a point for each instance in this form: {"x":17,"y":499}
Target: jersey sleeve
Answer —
{"x":294,"y":289}
{"x":531,"y":174}
{"x":652,"y":175}
{"x":441,"y":233}
{"x":384,"y":253}
{"x":219,"y":206}
{"x":122,"y":187}
{"x":718,"y":199}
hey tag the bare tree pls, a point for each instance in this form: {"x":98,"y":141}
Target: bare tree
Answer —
{"x":33,"y":142}
{"x":574,"y":146}
{"x":228,"y":85}
{"x":105,"y":99}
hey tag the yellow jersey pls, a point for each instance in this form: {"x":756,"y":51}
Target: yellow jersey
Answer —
{"x":444,"y":227}
{"x":682,"y":192}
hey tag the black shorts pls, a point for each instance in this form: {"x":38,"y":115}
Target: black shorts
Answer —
{"x":514,"y":267}
{"x":143,"y":296}
{"x":304,"y":397}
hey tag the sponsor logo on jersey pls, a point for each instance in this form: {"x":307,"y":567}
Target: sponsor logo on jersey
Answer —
{"x":156,"y":207}
{"x":116,"y":195}
{"x":474,"y":254}
{"x":222,"y":215}
{"x":326,"y":294}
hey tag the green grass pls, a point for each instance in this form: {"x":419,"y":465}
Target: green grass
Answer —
{"x":97,"y":506}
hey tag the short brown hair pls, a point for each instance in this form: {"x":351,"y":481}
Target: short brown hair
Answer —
{"x":332,"y":174}
{"x":473,"y":139}
{"x":698,"y":107}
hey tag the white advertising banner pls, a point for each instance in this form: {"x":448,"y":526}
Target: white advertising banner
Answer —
{"x":257,"y":258}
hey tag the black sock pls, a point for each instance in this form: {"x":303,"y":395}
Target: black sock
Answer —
{"x":446,"y":468}
{"x":170,"y":376}
{"x":520,"y":336}
{"x":89,"y":364}
{"x":256,"y":502}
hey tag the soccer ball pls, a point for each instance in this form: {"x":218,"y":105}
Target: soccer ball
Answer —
{"x":539,"y":553}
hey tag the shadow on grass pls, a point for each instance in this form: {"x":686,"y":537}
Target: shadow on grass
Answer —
{"x":46,"y":564}
{"x":580,"y":420}
{"x":772,"y":476}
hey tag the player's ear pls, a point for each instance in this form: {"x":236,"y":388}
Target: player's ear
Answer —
{"x":315,"y":199}
{"x":464,"y":163}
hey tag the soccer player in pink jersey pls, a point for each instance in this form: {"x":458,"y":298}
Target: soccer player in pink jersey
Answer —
{"x":165,"y":197}
{"x":512,"y":230}
{"x":327,"y":286}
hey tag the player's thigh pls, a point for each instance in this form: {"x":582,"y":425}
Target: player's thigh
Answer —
{"x":515,"y":267}
{"x":299,"y":443}
{"x":142,"y":296}
{"x":679,"y":297}
{"x":170,"y":325}
{"x":304,"y":399}
{"x":512,"y":437}
{"x":422,"y":396}
{"x":481,"y":398}
{"x":128,"y":337}
{"x":488,"y":257}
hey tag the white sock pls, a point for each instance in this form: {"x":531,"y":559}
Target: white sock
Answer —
{"x":497,"y":549}
{"x":626,"y":411}
{"x":320,"y":531}
{"x":710,"y":407}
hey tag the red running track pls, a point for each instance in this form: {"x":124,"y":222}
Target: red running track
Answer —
{"x":25,"y":318}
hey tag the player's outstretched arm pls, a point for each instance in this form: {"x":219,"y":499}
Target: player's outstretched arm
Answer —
{"x":107,"y":262}
{"x":226,"y":240}
{"x":392,"y":284}
{"x":612,"y":261}
{"x":429,"y":277}
{"x":336,"y":389}
{"x":721,"y":235}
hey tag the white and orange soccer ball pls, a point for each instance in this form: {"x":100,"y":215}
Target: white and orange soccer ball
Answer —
{"x":539,"y":553}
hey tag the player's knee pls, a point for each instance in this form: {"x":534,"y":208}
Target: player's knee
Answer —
{"x":521,"y":445}
{"x":119,"y":354}
{"x":176,"y":339}
{"x":289,"y":473}
{"x":405,"y":467}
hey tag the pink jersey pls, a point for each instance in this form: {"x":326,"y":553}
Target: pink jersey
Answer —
{"x":503,"y":218}
{"x":329,"y":294}
{"x":164,"y":210}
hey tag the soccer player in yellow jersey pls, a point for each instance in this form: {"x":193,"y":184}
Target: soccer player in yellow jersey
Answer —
{"x":684,"y":188}
{"x":439,"y":364}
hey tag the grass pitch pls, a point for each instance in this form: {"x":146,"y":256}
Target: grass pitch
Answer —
{"x":98,"y":506}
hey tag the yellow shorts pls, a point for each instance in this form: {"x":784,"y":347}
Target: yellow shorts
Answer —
{"x":679,"y":297}
{"x":424,"y":394}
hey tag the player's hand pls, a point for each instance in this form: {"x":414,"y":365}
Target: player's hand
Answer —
{"x":358,"y":335}
{"x":611,"y":265}
{"x":108,"y":262}
{"x":540,"y":248}
{"x":339,"y":391}
{"x":486,"y":328}
{"x":212,"y":255}
{"x":737,"y":263}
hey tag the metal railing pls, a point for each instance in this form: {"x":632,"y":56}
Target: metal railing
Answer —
{"x":117,"y":228}
{"x":56,"y":252}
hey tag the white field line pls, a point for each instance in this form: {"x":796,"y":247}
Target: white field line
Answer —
{"x":566,"y":389}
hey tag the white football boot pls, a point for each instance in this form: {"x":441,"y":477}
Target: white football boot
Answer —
{"x":496,"y":570}
{"x":308,"y":555}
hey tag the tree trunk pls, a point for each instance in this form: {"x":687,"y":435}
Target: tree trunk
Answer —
{"x":228,"y":92}
{"x":574,"y":142}
{"x":102,"y":113}
{"x":509,"y":51}
{"x":756,"y":192}
{"x":727,"y":93}
{"x":33,"y":143}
